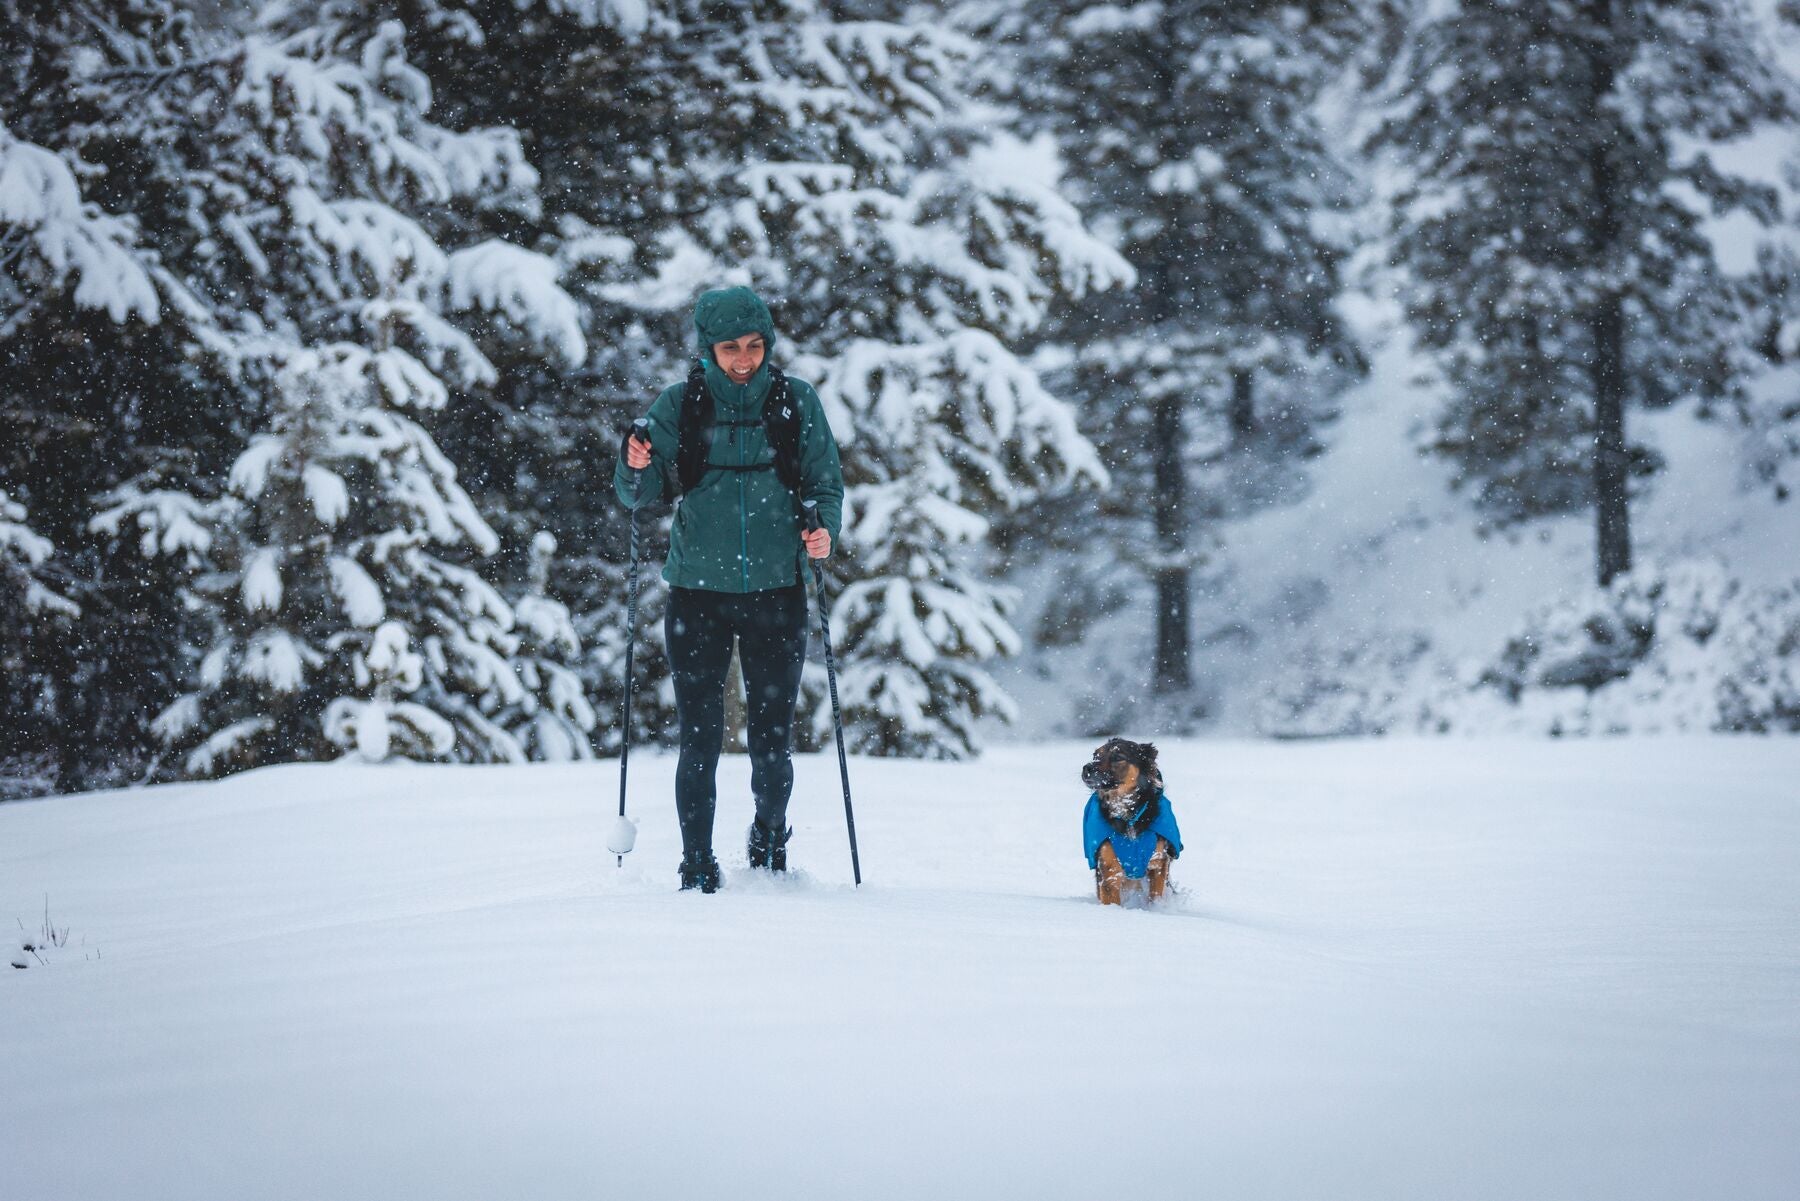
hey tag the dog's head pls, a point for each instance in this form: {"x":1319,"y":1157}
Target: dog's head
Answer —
{"x":1122,"y":768}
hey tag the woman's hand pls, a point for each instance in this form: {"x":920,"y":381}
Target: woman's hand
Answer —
{"x":637,"y":454}
{"x":818,"y":543}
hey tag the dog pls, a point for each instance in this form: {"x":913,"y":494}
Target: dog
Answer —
{"x":1129,"y":827}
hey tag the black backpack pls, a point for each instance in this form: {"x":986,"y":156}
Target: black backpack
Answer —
{"x":698,"y":417}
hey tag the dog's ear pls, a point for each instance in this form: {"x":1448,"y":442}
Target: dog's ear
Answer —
{"x":1153,"y":781}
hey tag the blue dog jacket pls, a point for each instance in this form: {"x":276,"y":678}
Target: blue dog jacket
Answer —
{"x":1134,"y":853}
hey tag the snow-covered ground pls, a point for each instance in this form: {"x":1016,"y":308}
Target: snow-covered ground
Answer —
{"x":1395,"y":970}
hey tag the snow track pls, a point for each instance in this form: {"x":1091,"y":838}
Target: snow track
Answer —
{"x":1395,"y":970}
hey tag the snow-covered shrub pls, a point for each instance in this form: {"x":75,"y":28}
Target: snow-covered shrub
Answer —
{"x":1682,"y":648}
{"x":1588,"y":643}
{"x":1365,"y":688}
{"x":1763,"y":695}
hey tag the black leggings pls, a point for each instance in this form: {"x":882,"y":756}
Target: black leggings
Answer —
{"x":771,"y":632}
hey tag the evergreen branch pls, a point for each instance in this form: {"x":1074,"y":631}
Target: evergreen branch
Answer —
{"x":15,"y":320}
{"x":12,"y":245}
{"x":152,"y":78}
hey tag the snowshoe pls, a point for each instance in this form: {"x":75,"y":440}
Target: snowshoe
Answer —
{"x":699,"y":870}
{"x":767,"y":848}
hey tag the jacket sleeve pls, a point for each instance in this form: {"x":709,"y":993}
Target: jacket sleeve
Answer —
{"x":821,"y":476}
{"x":1166,"y":826}
{"x":664,"y":417}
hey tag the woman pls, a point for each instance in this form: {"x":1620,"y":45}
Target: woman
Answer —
{"x":741,"y":445}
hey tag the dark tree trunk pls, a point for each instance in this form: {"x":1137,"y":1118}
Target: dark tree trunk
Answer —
{"x":1171,"y":663}
{"x":1611,"y":458}
{"x":1170,"y":670}
{"x":1243,"y":405}
{"x":1606,"y":326}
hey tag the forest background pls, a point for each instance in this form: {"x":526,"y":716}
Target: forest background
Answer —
{"x":1291,"y":368}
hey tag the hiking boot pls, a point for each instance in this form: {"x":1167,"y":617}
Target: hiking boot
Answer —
{"x":699,"y":870}
{"x":767,"y":848}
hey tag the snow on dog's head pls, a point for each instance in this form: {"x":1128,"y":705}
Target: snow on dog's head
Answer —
{"x":1122,"y":769}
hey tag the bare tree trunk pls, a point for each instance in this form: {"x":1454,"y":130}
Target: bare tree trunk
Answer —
{"x":1606,"y":326}
{"x":1243,"y":405}
{"x":1171,"y":663}
{"x":1168,"y":444}
{"x":1611,"y":496}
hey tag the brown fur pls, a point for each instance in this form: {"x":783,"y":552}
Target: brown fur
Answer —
{"x":1112,"y":885}
{"x":1109,"y":877}
{"x":1158,"y":875}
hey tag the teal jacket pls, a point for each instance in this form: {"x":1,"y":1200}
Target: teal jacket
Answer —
{"x":739,"y":531}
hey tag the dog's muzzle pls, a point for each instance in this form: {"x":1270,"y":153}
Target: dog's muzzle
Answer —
{"x":1098,"y":778}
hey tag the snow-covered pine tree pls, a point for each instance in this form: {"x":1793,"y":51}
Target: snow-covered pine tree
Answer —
{"x":33,"y":620}
{"x":552,"y":719}
{"x":1550,"y":236}
{"x":25,"y":590}
{"x":1193,"y":143}
{"x":834,"y":164}
{"x":1768,"y":405}
{"x":344,"y":621}
{"x":917,"y":250}
{"x":603,"y":95}
{"x":59,"y":244}
{"x":50,"y":242}
{"x":282,"y":184}
{"x":99,"y":384}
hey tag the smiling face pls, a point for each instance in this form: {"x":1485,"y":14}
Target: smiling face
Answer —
{"x":740,"y":357}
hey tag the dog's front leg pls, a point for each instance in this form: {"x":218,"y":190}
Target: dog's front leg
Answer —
{"x":1160,"y":859}
{"x":1109,"y":876}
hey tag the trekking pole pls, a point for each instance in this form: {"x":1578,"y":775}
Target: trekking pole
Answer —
{"x":811,"y":508}
{"x":624,"y":833}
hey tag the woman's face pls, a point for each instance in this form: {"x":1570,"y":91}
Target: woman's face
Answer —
{"x":740,"y":357}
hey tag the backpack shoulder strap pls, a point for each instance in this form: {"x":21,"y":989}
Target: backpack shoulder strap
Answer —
{"x":781,"y":423}
{"x":696,"y":419}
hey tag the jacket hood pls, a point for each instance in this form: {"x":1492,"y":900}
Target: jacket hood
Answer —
{"x":727,"y":313}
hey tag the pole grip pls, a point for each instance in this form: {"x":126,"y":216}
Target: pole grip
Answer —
{"x":640,"y":430}
{"x":809,"y":510}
